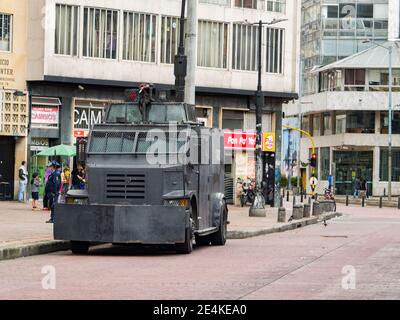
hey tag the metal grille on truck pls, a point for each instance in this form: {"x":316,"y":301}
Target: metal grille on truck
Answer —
{"x":125,"y":186}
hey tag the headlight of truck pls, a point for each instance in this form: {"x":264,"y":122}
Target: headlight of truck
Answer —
{"x":177,"y":202}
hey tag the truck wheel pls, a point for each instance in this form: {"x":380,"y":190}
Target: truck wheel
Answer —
{"x":187,"y":246}
{"x":80,"y":247}
{"x":219,"y":238}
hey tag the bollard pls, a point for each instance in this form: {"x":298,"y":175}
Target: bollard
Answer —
{"x":347,"y":200}
{"x":316,"y":210}
{"x":309,"y":200}
{"x":281,"y":202}
{"x":384,"y":192}
{"x":316,"y":196}
{"x":301,"y":197}
{"x":287,"y":196}
{"x":398,"y":203}
{"x":380,"y":202}
{"x":298,"y":212}
{"x":307,"y":210}
{"x":281,"y":214}
{"x":294,"y":199}
{"x":363,"y":201}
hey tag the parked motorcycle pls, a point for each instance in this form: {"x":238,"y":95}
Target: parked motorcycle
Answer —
{"x":247,"y":194}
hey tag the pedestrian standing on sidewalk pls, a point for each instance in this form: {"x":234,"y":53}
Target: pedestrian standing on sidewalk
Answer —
{"x":23,"y":181}
{"x":53,"y":188}
{"x":357,"y":184}
{"x":35,"y":184}
{"x":66,"y":182}
{"x":47,"y":173}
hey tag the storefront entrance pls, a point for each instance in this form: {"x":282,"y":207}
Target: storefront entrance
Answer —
{"x":351,"y":165}
{"x":7,"y":164}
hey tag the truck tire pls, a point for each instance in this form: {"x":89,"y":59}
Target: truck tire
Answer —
{"x":219,"y":238}
{"x":187,"y":246}
{"x":80,"y":247}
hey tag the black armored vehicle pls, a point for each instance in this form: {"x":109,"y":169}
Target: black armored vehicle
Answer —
{"x":155,"y":176}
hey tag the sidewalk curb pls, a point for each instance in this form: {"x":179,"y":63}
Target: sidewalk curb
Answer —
{"x":237,"y":234}
{"x":31,"y":249}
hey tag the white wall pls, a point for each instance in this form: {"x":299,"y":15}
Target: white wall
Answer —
{"x":342,"y":100}
{"x":119,"y":70}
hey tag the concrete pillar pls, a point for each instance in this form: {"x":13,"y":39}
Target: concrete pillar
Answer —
{"x":316,"y":209}
{"x":281,"y":214}
{"x":191,"y":49}
{"x":375,"y":172}
{"x":307,"y":210}
{"x":298,"y":211}
{"x":66,"y":120}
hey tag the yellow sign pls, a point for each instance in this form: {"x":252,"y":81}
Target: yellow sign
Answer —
{"x":268,"y":141}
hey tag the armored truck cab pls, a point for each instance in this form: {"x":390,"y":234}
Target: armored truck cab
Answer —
{"x":154,"y":177}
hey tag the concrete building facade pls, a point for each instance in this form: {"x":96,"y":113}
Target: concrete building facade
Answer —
{"x":13,"y":93}
{"x":348,"y":119}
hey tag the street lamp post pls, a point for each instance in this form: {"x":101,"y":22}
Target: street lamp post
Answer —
{"x":390,"y":108}
{"x":258,"y":206}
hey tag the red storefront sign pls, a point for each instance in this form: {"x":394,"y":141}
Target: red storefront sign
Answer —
{"x":45,"y":115}
{"x":239,"y":140}
{"x":81,"y":133}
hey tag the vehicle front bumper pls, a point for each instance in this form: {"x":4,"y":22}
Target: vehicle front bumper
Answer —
{"x":154,"y":224}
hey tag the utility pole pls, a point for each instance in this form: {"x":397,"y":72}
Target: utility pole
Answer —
{"x":180,"y":65}
{"x":191,"y":46}
{"x":390,"y":126}
{"x":257,"y":209}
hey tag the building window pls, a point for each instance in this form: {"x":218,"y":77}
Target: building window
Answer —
{"x":325,"y":159}
{"x":327,"y":124}
{"x":354,"y":79}
{"x":276,"y":5}
{"x":245,"y":47}
{"x":139,"y":37}
{"x":395,"y":122}
{"x":340,"y":123}
{"x":218,"y":2}
{"x":212,"y":44}
{"x":251,"y":4}
{"x":316,"y":125}
{"x":360,"y":122}
{"x":5,"y":32}
{"x":100,"y":33}
{"x":232,"y":119}
{"x":170,"y":27}
{"x":66,"y":33}
{"x":275,"y":50}
{"x":383,"y":165}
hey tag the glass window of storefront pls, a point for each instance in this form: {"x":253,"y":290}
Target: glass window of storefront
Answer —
{"x":325,"y":159}
{"x":347,"y":170}
{"x":383,"y":165}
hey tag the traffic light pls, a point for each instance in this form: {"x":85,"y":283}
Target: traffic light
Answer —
{"x":313,"y":162}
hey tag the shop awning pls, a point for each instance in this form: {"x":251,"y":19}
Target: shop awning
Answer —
{"x":46,"y":101}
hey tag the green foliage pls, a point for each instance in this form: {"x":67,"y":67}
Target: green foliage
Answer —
{"x":293,"y":181}
{"x":284,"y":181}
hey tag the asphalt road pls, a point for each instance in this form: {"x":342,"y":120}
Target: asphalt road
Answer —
{"x":353,"y":257}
